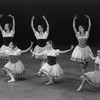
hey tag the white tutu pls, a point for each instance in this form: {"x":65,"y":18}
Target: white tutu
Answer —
{"x":39,"y":49}
{"x":54,"y":71}
{"x":93,"y":77}
{"x":3,"y":51}
{"x":81,"y":54}
{"x":15,"y":68}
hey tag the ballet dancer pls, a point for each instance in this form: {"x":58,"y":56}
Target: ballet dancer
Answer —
{"x":14,"y":67}
{"x":7,"y":34}
{"x":51,"y":68}
{"x":82,"y":51}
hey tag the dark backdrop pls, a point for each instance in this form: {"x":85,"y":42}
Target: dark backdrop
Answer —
{"x":59,"y":14}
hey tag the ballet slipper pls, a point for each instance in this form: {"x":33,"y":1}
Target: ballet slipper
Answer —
{"x":50,"y":82}
{"x":79,"y":89}
{"x":12,"y":80}
{"x":40,"y":74}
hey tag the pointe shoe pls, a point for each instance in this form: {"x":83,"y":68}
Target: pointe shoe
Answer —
{"x":81,"y":76}
{"x":79,"y":89}
{"x":49,"y":83}
{"x":43,"y":75}
{"x":38,"y":74}
{"x":12,"y":80}
{"x":33,"y":56}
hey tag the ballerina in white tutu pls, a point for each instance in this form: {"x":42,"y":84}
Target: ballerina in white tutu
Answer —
{"x":82,"y":50}
{"x":14,"y":66}
{"x":92,"y":77}
{"x":51,"y":68}
{"x":7,"y":34}
{"x":41,"y":37}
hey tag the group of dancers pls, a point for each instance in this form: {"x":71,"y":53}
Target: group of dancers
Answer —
{"x":45,"y":52}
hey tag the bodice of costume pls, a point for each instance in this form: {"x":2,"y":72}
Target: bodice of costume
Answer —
{"x":41,"y":38}
{"x":82,"y":40}
{"x":51,"y":60}
{"x":51,"y":56}
{"x":42,"y":42}
{"x":7,"y":40}
{"x":7,"y":37}
{"x":13,"y":56}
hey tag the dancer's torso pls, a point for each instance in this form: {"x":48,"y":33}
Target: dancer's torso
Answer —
{"x":82,"y":40}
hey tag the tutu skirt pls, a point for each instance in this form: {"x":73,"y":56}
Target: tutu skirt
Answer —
{"x":3,"y":51}
{"x":14,"y":68}
{"x":81,"y":54}
{"x":93,"y":77}
{"x":39,"y":49}
{"x":53,"y":72}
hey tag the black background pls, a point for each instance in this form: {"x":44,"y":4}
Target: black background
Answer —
{"x":59,"y":14}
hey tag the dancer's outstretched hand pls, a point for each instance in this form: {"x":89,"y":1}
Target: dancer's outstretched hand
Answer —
{"x":87,"y":16}
{"x":72,"y":47}
{"x":76,"y":17}
{"x":10,"y":15}
{"x":33,"y":17}
{"x":1,"y":15}
{"x":32,"y":43}
{"x":43,"y":17}
{"x":31,"y":50}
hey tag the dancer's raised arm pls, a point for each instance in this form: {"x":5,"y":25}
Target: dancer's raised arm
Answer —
{"x":32,"y":24}
{"x":46,"y":24}
{"x":89,"y":21}
{"x":13,"y":19}
{"x":92,"y":57}
{"x":75,"y":30}
{"x":1,"y":29}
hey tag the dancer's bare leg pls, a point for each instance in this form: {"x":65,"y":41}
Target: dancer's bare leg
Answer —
{"x":82,"y":84}
{"x":51,"y":81}
{"x":84,"y":66}
{"x":12,"y":77}
{"x":39,"y":72}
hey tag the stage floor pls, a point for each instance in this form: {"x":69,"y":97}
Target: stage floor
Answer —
{"x":31,"y":87}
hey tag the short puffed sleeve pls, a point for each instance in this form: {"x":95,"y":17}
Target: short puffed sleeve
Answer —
{"x":18,"y":51}
{"x":12,"y":32}
{"x":87,"y":34}
{"x":57,"y":52}
{"x":78,"y":34}
{"x":36,"y":34}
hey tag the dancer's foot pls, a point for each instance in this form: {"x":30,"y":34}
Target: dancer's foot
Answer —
{"x":83,"y":71}
{"x":79,"y":89}
{"x":12,"y":80}
{"x":40,"y":74}
{"x":82,"y":76}
{"x":50,"y":82}
{"x":33,"y":56}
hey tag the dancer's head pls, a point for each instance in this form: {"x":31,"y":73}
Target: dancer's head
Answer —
{"x":40,"y":28}
{"x":98,"y":52}
{"x":8,"y":27}
{"x":50,"y":44}
{"x":81,"y":29}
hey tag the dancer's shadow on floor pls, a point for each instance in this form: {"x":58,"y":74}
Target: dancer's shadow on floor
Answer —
{"x":22,"y":79}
